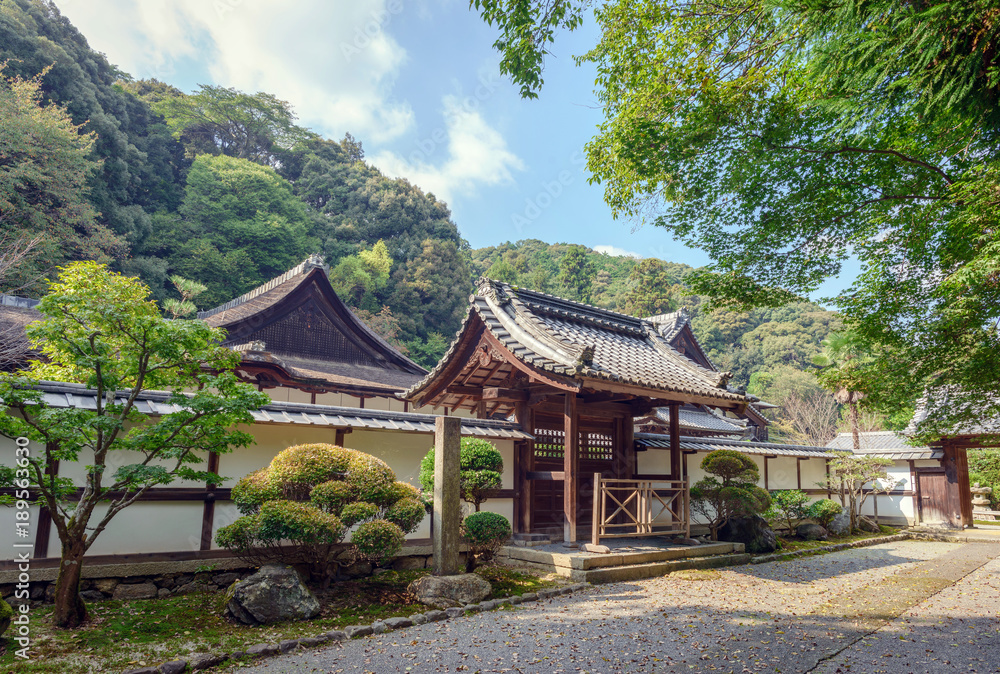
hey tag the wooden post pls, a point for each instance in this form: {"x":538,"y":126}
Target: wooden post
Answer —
{"x":798,"y":472}
{"x":628,"y":446}
{"x":675,"y":441}
{"x":951,"y":472}
{"x":208,"y":514}
{"x":522,"y":487}
{"x":447,"y":507}
{"x":964,"y":488}
{"x":571,"y":460}
{"x":44,"y":529}
{"x":598,"y":516}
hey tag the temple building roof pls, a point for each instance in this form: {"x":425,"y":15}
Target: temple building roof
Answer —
{"x":658,"y":441}
{"x":569,"y":345}
{"x":295,"y":331}
{"x":887,"y":444}
{"x":694,"y":420}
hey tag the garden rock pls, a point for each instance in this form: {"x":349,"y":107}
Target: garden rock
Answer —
{"x":225,"y":579}
{"x":88,"y":595}
{"x":597,"y":549}
{"x":753,"y":532}
{"x":840,"y":525}
{"x":173,"y":667}
{"x":398,"y":623}
{"x":262,"y":649}
{"x":143,"y":670}
{"x":358,"y":631}
{"x":106,"y":585}
{"x":138,"y":591}
{"x":418,"y":619}
{"x":868,"y":524}
{"x":205,"y":660}
{"x":379,"y":627}
{"x":434,"y":616}
{"x":273,"y":594}
{"x":288,"y":645}
{"x":337,"y":635}
{"x":450,"y":591}
{"x":455,"y":612}
{"x":811,"y":532}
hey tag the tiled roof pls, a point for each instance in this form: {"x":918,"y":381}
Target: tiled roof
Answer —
{"x":59,"y":394}
{"x":887,"y":444}
{"x":658,"y":441}
{"x":698,"y":419}
{"x":670,"y":327}
{"x":583,"y":342}
{"x":287,"y":281}
{"x":975,"y":415}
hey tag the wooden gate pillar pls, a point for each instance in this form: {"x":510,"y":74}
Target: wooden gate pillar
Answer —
{"x":571,"y":463}
{"x":675,"y":441}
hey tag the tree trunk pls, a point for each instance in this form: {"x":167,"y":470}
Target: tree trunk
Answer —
{"x":70,"y":612}
{"x":852,"y":405}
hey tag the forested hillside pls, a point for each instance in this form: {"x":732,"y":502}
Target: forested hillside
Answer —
{"x":224,"y":188}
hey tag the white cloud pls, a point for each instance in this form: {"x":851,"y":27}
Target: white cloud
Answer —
{"x":334,"y":61}
{"x":474,"y":154}
{"x":615,"y":251}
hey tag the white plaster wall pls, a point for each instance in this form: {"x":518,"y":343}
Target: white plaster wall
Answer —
{"x":813,"y":473}
{"x":148,"y":527}
{"x":653,"y":462}
{"x":76,"y":470}
{"x":781,"y":473}
{"x":8,"y":530}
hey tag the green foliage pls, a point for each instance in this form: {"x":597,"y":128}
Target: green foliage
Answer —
{"x":823,"y":511}
{"x":652,"y":290}
{"x":45,"y":167}
{"x":576,"y":273}
{"x":377,"y":541}
{"x":783,"y":138}
{"x":6,"y":615}
{"x":984,"y":467}
{"x":486,"y":533}
{"x":320,"y":491}
{"x":102,"y":330}
{"x":854,"y":477}
{"x":480,"y":466}
{"x":359,"y":279}
{"x":222,"y":120}
{"x":185,"y":306}
{"x":730,"y":491}
{"x":789,"y":507}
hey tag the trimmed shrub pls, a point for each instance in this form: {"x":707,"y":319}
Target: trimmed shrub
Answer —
{"x":377,"y":541}
{"x":481,"y":471}
{"x":736,"y":494}
{"x":486,"y":533}
{"x":6,"y":616}
{"x":789,"y":507}
{"x":824,"y":510}
{"x":299,"y":509}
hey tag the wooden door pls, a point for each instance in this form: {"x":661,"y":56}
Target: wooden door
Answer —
{"x":933,"y":490}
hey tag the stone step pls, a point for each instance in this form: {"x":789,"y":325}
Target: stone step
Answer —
{"x":615,"y":574}
{"x":585,"y":561}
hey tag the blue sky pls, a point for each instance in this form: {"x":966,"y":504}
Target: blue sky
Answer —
{"x":417,"y":82}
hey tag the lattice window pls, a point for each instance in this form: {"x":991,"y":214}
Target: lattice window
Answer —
{"x":596,"y":446}
{"x":549,"y":444}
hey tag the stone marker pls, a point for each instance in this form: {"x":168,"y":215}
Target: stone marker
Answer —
{"x":598,"y":549}
{"x":447,"y":506}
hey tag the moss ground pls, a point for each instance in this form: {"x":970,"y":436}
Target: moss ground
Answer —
{"x":125,"y":635}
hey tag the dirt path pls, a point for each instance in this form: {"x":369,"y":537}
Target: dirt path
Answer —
{"x":829,"y":613}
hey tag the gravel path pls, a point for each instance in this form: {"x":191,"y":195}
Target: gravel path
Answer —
{"x":805,"y":615}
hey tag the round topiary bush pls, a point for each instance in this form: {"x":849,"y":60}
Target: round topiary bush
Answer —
{"x":300,"y":508}
{"x":377,"y":541}
{"x":486,"y":533}
{"x":480,"y":471}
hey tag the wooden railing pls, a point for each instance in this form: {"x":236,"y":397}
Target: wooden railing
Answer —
{"x":642,"y":507}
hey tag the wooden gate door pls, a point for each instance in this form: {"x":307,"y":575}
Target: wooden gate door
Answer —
{"x":933,"y":489}
{"x":596,"y":456}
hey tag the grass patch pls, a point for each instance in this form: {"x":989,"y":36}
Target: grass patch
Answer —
{"x":126,"y":635}
{"x":988,"y":523}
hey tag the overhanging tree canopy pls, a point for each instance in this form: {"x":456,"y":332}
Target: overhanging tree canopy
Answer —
{"x":783,"y":138}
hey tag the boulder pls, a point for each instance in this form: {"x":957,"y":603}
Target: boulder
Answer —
{"x":89,"y":596}
{"x":811,"y":532}
{"x":450,"y":591}
{"x":867,"y":524}
{"x":840,"y":525}
{"x":173,"y":667}
{"x":106,"y":585}
{"x":753,"y":532}
{"x":273,"y":594}
{"x":137,"y":591}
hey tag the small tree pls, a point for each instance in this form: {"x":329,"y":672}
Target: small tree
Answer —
{"x":102,"y":329}
{"x":850,"y":474}
{"x":732,"y":490}
{"x":481,"y":471}
{"x":485,"y":533}
{"x":188,"y":290}
{"x":299,"y":509}
{"x":788,"y":506}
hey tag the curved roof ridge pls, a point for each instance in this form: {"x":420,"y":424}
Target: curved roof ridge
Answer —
{"x":309,"y":263}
